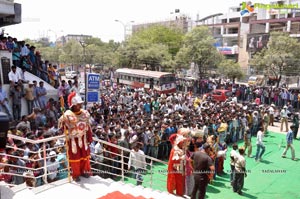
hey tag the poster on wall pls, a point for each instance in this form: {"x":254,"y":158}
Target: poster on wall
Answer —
{"x":256,"y":42}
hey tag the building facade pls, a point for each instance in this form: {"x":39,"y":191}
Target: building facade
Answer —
{"x":181,"y":22}
{"x":242,"y":32}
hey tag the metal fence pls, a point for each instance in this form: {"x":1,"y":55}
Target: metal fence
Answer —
{"x":116,"y":168}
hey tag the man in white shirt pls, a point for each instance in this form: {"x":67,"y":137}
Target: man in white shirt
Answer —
{"x":24,"y":50}
{"x":259,"y":143}
{"x":240,"y":172}
{"x":284,"y":118}
{"x":138,"y":162}
{"x":233,"y":158}
{"x":13,"y":75}
{"x":271,"y":113}
{"x":52,"y":167}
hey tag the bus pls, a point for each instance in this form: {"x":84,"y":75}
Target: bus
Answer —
{"x":162,"y":82}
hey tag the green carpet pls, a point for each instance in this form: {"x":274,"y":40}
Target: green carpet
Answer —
{"x":272,"y":178}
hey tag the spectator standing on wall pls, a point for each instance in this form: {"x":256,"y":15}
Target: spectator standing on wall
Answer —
{"x":29,"y":96}
{"x":16,"y":94}
{"x":33,"y":60}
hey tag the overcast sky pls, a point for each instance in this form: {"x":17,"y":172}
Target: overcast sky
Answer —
{"x":54,"y":18}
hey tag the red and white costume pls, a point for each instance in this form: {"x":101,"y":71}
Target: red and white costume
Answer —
{"x":79,"y":136}
{"x":176,"y":174}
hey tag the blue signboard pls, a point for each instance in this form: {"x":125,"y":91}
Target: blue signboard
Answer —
{"x":92,"y":96}
{"x":93,"y":81}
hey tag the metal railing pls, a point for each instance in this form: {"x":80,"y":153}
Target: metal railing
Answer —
{"x":102,"y":164}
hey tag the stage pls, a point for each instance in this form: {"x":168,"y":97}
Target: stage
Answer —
{"x":91,"y":188}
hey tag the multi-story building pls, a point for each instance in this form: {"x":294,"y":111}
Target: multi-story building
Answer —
{"x":181,"y":22}
{"x":228,"y":30}
{"x":265,"y":21}
{"x":240,"y":36}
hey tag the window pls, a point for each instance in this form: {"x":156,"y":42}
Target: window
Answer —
{"x":167,"y":79}
{"x":233,"y":30}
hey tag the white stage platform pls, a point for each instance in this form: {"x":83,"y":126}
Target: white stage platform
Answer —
{"x":91,"y":188}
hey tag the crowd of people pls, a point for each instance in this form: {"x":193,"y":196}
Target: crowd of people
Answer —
{"x":144,"y":122}
{"x":26,"y":57}
{"x":266,"y":94}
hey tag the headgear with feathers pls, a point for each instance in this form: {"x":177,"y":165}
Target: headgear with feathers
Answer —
{"x":74,"y":99}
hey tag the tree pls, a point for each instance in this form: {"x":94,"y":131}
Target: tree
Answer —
{"x":199,"y":48}
{"x":181,"y":59}
{"x":154,"y":47}
{"x":72,"y":53}
{"x":230,"y":69}
{"x":128,"y":54}
{"x":159,"y":34}
{"x":281,"y":57}
{"x":154,"y":56}
{"x":51,"y":53}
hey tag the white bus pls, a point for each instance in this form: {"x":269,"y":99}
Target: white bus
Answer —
{"x":162,"y":82}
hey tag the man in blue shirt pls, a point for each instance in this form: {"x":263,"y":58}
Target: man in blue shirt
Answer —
{"x":41,"y":95}
{"x":147,"y":107}
{"x":289,"y":144}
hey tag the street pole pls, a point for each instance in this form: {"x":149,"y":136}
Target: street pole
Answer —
{"x":124,"y":27}
{"x":83,"y":45}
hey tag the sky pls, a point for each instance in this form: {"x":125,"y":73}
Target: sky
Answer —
{"x":55,"y":18}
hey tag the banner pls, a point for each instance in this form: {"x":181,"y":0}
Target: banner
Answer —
{"x":256,"y":42}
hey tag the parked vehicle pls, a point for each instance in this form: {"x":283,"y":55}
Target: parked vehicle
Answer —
{"x":219,"y":95}
{"x":257,"y":80}
{"x":71,"y":74}
{"x":162,"y":82}
{"x":61,"y":71}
